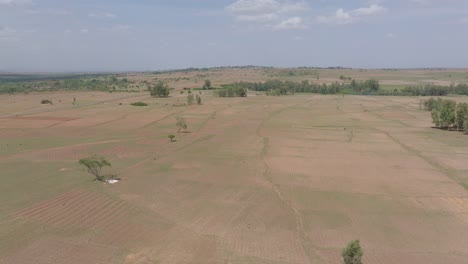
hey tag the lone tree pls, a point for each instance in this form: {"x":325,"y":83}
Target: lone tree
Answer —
{"x":94,"y":166}
{"x":181,"y":124}
{"x":161,"y":89}
{"x":171,"y":137}
{"x":352,"y":253}
{"x":207,"y":85}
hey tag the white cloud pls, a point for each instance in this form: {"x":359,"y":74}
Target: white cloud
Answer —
{"x":15,"y":2}
{"x":347,"y":17}
{"x":340,"y":17}
{"x":102,"y":15}
{"x":120,"y":28}
{"x":48,"y":11}
{"x":257,"y":18}
{"x":391,"y":35}
{"x":84,"y":31}
{"x":291,"y":23}
{"x":8,"y":34}
{"x":5,"y":31}
{"x":367,"y":11}
{"x":273,"y":14}
{"x":463,"y":20}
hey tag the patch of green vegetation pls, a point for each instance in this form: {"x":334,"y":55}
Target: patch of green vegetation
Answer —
{"x":139,"y":104}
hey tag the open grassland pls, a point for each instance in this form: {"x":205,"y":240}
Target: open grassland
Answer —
{"x":278,"y":180}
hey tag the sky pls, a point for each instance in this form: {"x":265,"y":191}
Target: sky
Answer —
{"x":144,"y":35}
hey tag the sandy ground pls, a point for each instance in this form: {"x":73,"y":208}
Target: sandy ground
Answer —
{"x":255,"y":180}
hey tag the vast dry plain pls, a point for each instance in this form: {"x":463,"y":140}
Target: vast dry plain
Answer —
{"x":261,"y":179}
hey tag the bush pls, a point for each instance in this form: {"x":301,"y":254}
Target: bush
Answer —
{"x":171,"y":137}
{"x":161,"y":89}
{"x":139,"y":104}
{"x":199,"y":101}
{"x":180,"y":123}
{"x":46,"y":101}
{"x":352,"y":253}
{"x":190,"y":99}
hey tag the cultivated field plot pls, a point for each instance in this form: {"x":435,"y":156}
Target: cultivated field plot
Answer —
{"x":278,"y":180}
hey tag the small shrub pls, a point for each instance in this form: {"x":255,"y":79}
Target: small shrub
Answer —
{"x":171,"y":137}
{"x":181,"y":124}
{"x":190,"y":99}
{"x":139,"y":104}
{"x":46,"y":101}
{"x":352,"y":253}
{"x":198,"y":98}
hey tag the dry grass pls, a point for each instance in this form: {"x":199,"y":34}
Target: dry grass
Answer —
{"x":257,"y":180}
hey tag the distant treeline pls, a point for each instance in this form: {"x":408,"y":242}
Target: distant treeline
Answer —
{"x":14,"y":77}
{"x":89,"y":84}
{"x":447,"y":114}
{"x":278,"y":87}
{"x":368,"y":87}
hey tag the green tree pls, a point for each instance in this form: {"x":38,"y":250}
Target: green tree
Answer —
{"x":207,"y":85}
{"x":94,"y":165}
{"x":447,"y":113}
{"x":190,"y":99}
{"x":199,"y":101}
{"x":435,"y":113}
{"x":171,"y":137}
{"x":462,"y":114}
{"x":180,"y":123}
{"x":160,"y":89}
{"x":466,"y":126}
{"x":352,"y":253}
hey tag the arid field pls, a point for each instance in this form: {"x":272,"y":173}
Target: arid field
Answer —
{"x":261,"y":179}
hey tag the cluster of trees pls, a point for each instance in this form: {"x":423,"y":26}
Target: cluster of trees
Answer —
{"x":434,"y":90}
{"x":160,"y":89}
{"x":192,"y":99}
{"x":278,"y":87}
{"x":231,"y":91}
{"x":448,"y":114}
{"x":425,"y":90}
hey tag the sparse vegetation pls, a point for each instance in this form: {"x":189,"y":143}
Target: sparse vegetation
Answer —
{"x":352,"y":253}
{"x":94,"y":165}
{"x":199,"y":100}
{"x":46,"y":101}
{"x":190,"y":99}
{"x":139,"y":104}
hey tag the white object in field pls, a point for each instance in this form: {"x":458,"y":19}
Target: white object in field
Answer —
{"x":112,"y":181}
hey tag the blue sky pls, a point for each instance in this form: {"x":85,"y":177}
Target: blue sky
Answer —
{"x":120,"y":35}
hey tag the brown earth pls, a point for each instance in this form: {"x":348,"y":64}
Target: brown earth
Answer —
{"x":255,"y":180}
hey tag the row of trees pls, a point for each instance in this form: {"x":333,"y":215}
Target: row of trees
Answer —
{"x":278,"y":87}
{"x":448,"y":114}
